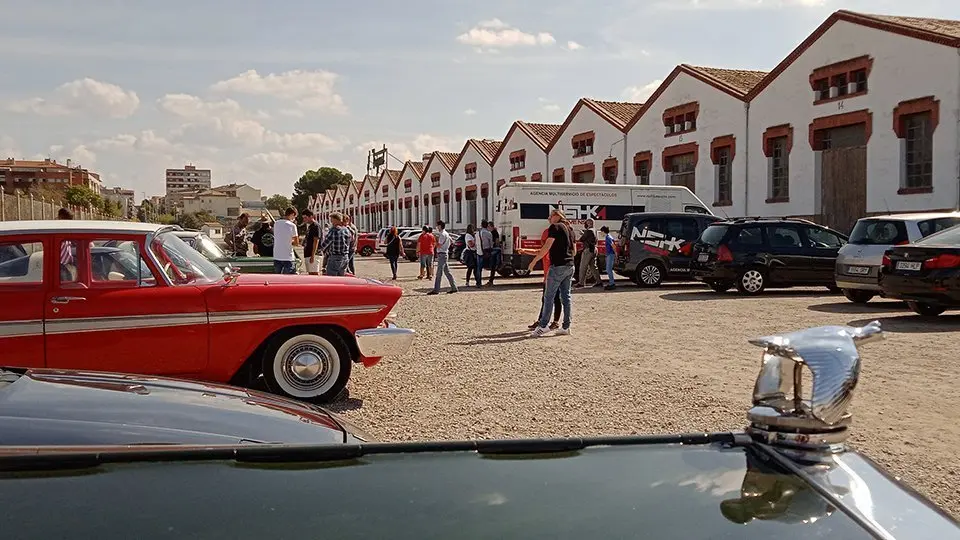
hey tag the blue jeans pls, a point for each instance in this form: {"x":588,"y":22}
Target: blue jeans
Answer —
{"x":443,"y":269}
{"x":610,"y":259}
{"x":350,"y":266}
{"x":559,"y":278}
{"x":282,"y":267}
{"x":481,"y":260}
{"x":393,"y":264}
{"x":426,"y":264}
{"x":336,"y":264}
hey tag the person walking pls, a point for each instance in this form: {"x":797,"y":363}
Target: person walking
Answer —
{"x":354,"y":238}
{"x":495,"y":253}
{"x":469,"y":256}
{"x":426,"y":244}
{"x":311,"y":243}
{"x":484,"y":249}
{"x":285,"y":238}
{"x":557,"y":305}
{"x":336,"y":246}
{"x":560,"y":246}
{"x":443,"y":252}
{"x":588,"y":259}
{"x":611,"y":247}
{"x":392,"y":244}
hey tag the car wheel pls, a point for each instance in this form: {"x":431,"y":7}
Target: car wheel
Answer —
{"x":927,"y":310}
{"x":366,"y":251}
{"x":858,"y":296}
{"x":649,"y":274}
{"x":522,"y":272}
{"x":752,"y":281}
{"x":505,"y":271}
{"x":412,"y":259}
{"x":720,"y":286}
{"x":310,"y":366}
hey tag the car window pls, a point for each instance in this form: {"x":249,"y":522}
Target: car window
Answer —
{"x":181,"y":263}
{"x":879,"y":232}
{"x":21,"y":262}
{"x":69,"y":272}
{"x":784,"y":237}
{"x":749,"y":237}
{"x":682,"y":228}
{"x":822,"y":238}
{"x":946,"y":237}
{"x":695,"y":210}
{"x":933,"y":226}
{"x":713,"y":235}
{"x":119,"y":264}
{"x":208,"y":248}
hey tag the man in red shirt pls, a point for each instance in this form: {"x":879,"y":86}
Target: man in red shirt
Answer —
{"x":425,"y":247}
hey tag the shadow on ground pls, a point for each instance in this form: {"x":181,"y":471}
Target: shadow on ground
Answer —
{"x":343,"y":405}
{"x":508,"y":337}
{"x":844,"y":306}
{"x":734,"y":295}
{"x":914,"y":324}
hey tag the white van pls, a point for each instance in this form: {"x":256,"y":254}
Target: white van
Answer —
{"x":523,"y":208}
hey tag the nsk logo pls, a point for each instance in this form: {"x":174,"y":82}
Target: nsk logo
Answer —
{"x":581,"y":212}
{"x":655,"y":239}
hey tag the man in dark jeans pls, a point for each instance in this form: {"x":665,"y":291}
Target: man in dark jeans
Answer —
{"x":311,"y":244}
{"x":496,"y":253}
{"x":588,"y":257}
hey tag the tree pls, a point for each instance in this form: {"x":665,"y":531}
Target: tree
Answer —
{"x":278,"y":202}
{"x":318,"y":181}
{"x":146,"y":211}
{"x":84,"y":197}
{"x":194,"y":220}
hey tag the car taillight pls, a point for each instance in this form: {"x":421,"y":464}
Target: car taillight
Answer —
{"x":687,"y":249}
{"x":905,"y":242}
{"x":943,"y":261}
{"x":724,"y":254}
{"x":885,"y":261}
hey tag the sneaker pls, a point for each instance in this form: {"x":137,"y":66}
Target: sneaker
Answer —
{"x":563,"y":332}
{"x":453,"y":291}
{"x":609,"y":287}
{"x":539,"y":331}
{"x":554,"y":325}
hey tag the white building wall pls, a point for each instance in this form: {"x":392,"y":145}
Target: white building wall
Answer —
{"x":720,"y":114}
{"x":460,"y":220}
{"x":607,"y":140}
{"x":430,"y":214}
{"x":903,"y":68}
{"x":408,"y":218}
{"x":536,"y":158}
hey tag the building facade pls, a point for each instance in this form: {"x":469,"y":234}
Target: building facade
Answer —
{"x":408,"y":193}
{"x":24,"y":174}
{"x":387,"y":197}
{"x":189,"y":178}
{"x":472,"y":181}
{"x":213,"y":202}
{"x":591,"y":144}
{"x":126,"y":198}
{"x":523,"y":155}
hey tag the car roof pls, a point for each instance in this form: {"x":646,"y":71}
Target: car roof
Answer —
{"x":920,"y":216}
{"x":75,"y":226}
{"x":671,"y":214}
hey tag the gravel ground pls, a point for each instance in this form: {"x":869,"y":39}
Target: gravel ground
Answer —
{"x":674,"y":359}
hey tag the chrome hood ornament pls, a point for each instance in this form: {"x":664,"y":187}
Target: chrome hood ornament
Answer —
{"x":787,"y":414}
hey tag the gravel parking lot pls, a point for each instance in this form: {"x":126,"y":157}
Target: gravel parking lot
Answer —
{"x":674,"y":359}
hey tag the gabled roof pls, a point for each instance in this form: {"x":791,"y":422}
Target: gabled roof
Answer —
{"x":734,"y":82}
{"x":393,"y":174}
{"x":370,"y":180}
{"x":617,"y":113}
{"x":447,"y":159}
{"x":941,"y":31}
{"x":415,"y":166}
{"x":541,"y":135}
{"x":487,"y":148}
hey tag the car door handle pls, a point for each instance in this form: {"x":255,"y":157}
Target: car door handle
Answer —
{"x":65,"y":299}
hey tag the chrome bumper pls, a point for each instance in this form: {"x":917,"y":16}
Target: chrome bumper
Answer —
{"x":389,"y":341}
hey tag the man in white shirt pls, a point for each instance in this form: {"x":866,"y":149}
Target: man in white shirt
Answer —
{"x":443,"y":251}
{"x":285,"y":238}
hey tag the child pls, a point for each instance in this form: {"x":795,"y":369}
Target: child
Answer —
{"x":611,"y":256}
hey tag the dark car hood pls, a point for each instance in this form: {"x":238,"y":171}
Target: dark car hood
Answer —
{"x":55,"y":407}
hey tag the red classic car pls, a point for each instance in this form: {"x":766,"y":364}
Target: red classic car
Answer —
{"x":367,"y":244}
{"x":134,"y":298}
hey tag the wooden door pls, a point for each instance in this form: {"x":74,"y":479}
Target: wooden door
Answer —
{"x":683,"y":171}
{"x":843,"y":177}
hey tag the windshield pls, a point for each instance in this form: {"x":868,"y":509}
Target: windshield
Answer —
{"x":713,"y":234}
{"x":949,"y":237}
{"x":935,"y":225}
{"x":209,"y":248}
{"x":183,"y":264}
{"x":877,"y":232}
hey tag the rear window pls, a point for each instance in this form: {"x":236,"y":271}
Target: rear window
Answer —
{"x":933,"y":226}
{"x":947,"y":237}
{"x":714,"y":234}
{"x":878,"y":232}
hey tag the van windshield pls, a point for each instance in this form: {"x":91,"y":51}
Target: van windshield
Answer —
{"x":879,"y":232}
{"x":713,"y":235}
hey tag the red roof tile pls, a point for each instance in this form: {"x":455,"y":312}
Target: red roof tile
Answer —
{"x":740,"y":80}
{"x":448,"y":159}
{"x":944,"y":27}
{"x":542,"y":134}
{"x":618,"y":113}
{"x":417,"y":168}
{"x":487,"y":148}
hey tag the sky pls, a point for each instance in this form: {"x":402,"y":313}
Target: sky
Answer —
{"x":261,"y":91}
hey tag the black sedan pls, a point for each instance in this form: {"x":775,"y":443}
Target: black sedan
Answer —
{"x":926,"y":274}
{"x":45,"y":407}
{"x":788,"y":476}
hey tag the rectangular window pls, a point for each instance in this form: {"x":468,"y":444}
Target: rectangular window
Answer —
{"x":724,"y":192}
{"x":435,"y":180}
{"x":641,"y":169}
{"x":610,"y":174}
{"x":69,"y":273}
{"x":860,"y":78}
{"x":840,"y":82}
{"x":683,"y":171}
{"x":780,"y":170}
{"x":918,"y":159}
{"x":459,"y":211}
{"x":407,"y":188}
{"x":21,"y":263}
{"x":471,"y":171}
{"x":583,"y":147}
{"x":518,"y":162}
{"x":822,"y":88}
{"x":558,"y":176}
{"x":117,"y":263}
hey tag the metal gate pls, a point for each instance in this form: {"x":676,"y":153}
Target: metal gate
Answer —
{"x":843,"y":177}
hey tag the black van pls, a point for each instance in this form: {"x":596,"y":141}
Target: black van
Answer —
{"x":657,"y":246}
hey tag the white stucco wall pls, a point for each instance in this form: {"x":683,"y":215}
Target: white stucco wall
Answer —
{"x":904,"y":68}
{"x":459,"y":181}
{"x":720,"y":114}
{"x":402,"y":194}
{"x":434,"y":166}
{"x":536,"y":158}
{"x":388,"y":215}
{"x":605,"y":136}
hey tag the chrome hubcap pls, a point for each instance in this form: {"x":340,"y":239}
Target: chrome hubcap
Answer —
{"x":306,"y":366}
{"x":650,"y":274}
{"x":752,"y":280}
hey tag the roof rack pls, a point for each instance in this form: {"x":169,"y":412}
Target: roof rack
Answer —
{"x":770,"y":218}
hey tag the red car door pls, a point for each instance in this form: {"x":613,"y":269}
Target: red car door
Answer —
{"x":110,"y":309}
{"x":24,"y":270}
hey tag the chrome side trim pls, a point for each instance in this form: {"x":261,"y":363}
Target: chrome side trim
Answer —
{"x":12,"y":329}
{"x":272,"y":314}
{"x":135,"y":322}
{"x":389,"y":341}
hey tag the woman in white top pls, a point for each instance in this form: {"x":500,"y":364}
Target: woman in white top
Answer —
{"x":469,"y":256}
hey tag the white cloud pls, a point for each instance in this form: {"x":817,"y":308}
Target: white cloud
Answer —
{"x":82,"y":96}
{"x":469,"y":112}
{"x":292,"y":113}
{"x":737,"y":4}
{"x":573,"y":46}
{"x":312,"y":90}
{"x":639,"y":94}
{"x":8,"y":147}
{"x":548,"y":105}
{"x":495,"y":34}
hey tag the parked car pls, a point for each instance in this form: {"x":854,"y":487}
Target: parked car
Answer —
{"x":457,"y":246}
{"x":50,"y":407}
{"x":180,"y":315}
{"x":382,"y":236}
{"x":408,"y":240}
{"x":247,"y":265}
{"x":789,"y":475}
{"x":926,"y":274}
{"x":753,"y":254}
{"x":656,"y":246}
{"x":367,"y":244}
{"x":859,"y":262}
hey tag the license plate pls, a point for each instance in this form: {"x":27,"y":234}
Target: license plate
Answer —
{"x":858,"y":270}
{"x":908,"y":265}
{"x":704,"y":257}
